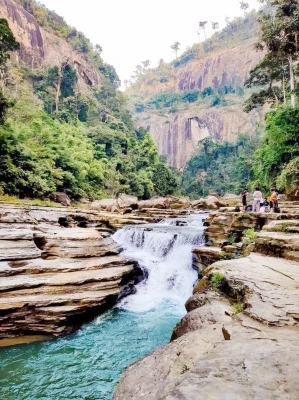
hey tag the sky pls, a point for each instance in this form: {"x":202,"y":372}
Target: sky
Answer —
{"x":130,"y":31}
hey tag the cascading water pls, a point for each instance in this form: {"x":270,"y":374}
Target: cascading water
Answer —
{"x":165,"y":252}
{"x":87,"y":365}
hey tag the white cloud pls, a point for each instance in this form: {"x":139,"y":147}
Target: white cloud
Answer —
{"x":133,"y":30}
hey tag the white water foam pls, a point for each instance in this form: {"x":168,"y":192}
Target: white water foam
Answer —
{"x":165,"y":251}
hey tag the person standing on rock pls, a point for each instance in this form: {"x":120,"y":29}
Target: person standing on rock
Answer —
{"x":273,"y":200}
{"x":257,"y":197}
{"x":244,"y":199}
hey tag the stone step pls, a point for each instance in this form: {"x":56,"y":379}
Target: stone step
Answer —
{"x":287,"y":226}
{"x":278,"y":244}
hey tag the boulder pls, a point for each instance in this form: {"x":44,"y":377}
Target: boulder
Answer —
{"x":155,"y":202}
{"x":209,"y":203}
{"x":63,"y":199}
{"x":125,"y":201}
{"x":177,"y":203}
{"x":195,"y":301}
{"x":105,"y":204}
{"x":197,"y":204}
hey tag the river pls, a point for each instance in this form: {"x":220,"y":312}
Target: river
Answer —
{"x":87,"y":364}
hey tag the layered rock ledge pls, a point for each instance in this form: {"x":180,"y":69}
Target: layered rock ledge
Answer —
{"x":58,"y":268}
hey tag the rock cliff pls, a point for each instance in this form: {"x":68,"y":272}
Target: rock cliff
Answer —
{"x":177,"y":131}
{"x":42,"y":48}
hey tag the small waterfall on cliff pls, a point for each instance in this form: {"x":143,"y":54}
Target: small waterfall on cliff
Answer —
{"x":165,"y":251}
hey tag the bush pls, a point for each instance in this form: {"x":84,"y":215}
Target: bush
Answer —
{"x":249,"y":236}
{"x":190,"y":96}
{"x":218,"y":281}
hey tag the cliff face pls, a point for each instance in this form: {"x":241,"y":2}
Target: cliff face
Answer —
{"x":178,"y":131}
{"x":42,"y":48}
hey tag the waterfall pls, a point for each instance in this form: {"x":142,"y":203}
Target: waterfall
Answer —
{"x":164,"y":250}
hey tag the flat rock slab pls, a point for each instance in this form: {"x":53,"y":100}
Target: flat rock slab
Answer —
{"x":18,"y":250}
{"x":272,"y":287}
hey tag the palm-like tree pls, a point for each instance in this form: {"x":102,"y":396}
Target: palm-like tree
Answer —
{"x":244,"y":6}
{"x":202,"y":25}
{"x":176,"y":47}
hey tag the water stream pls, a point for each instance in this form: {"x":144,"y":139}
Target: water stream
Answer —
{"x":87,"y":364}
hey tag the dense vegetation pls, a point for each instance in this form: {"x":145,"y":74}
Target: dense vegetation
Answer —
{"x":172,"y":100}
{"x":53,"y":138}
{"x":220,"y":167}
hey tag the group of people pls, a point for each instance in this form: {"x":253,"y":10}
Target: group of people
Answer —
{"x":259,"y":201}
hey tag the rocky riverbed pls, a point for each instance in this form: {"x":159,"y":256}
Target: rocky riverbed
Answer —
{"x":240,"y":337}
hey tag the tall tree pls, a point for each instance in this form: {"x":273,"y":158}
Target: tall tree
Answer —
{"x":176,"y":47}
{"x":244,"y":6}
{"x":202,"y":26}
{"x":270,"y":74}
{"x":146,"y":64}
{"x":279,"y":35}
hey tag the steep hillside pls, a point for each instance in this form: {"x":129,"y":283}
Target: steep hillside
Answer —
{"x":42,"y":47}
{"x":200,"y":94}
{"x":68,"y":128}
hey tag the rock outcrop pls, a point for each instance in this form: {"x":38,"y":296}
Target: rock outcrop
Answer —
{"x":239,"y":339}
{"x":58,"y":267}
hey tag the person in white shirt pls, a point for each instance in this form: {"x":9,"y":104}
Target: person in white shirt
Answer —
{"x":257,"y":197}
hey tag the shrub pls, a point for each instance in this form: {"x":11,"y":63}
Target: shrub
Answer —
{"x":249,"y":236}
{"x":218,"y":281}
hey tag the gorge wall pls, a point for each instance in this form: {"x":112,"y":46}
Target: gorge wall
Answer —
{"x":226,"y":64}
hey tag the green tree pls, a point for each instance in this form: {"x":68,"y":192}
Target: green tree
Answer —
{"x":7,"y":43}
{"x":163,"y":180}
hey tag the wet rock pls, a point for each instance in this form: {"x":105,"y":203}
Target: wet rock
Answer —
{"x":195,"y":301}
{"x":201,"y":286}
